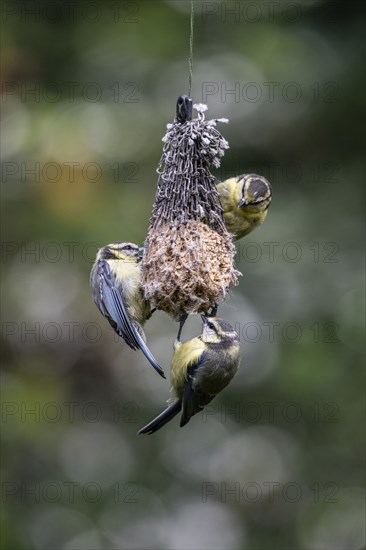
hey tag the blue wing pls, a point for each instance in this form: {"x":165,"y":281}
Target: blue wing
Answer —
{"x":114,"y":308}
{"x":193,"y":400}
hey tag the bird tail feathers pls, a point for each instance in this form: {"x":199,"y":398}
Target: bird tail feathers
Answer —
{"x":162,"y":419}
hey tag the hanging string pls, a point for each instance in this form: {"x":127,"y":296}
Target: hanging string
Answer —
{"x":190,"y":60}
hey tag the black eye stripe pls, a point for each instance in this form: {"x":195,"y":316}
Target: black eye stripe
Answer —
{"x":109,"y":255}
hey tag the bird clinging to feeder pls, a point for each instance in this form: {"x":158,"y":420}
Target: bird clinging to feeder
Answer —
{"x":245,"y":200}
{"x":188,"y":263}
{"x":117,"y":292}
{"x":201,"y":368}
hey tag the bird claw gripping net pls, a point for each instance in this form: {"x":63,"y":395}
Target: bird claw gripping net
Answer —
{"x":188,"y":262}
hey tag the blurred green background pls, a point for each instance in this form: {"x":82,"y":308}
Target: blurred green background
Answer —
{"x":277,"y":460}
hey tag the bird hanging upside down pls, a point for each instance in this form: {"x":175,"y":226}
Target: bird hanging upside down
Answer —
{"x":200,"y":369}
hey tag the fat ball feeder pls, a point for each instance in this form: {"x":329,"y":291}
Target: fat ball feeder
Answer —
{"x":188,"y":262}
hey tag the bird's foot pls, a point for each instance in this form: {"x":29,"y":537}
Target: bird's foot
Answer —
{"x":182,"y":320}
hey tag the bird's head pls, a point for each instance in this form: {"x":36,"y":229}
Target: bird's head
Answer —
{"x":256,"y":192}
{"x":217,"y":330}
{"x":127,"y":252}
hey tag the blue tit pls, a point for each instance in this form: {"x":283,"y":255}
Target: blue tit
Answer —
{"x":200,"y":369}
{"x":245,"y":200}
{"x":115,"y":281}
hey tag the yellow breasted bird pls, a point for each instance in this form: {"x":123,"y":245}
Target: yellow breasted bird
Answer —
{"x":200,"y":369}
{"x":245,"y":200}
{"x":115,"y":281}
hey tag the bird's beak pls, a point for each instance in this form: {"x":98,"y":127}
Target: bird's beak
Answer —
{"x":141,"y":249}
{"x":242,"y":202}
{"x":204,"y":318}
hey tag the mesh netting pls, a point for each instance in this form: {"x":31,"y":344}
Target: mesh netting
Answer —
{"x":188,"y":262}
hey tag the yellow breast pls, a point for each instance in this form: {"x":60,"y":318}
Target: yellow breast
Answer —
{"x":187,"y":354}
{"x":128,"y":276}
{"x":238,"y":221}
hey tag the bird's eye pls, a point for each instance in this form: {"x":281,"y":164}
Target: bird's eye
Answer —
{"x":211,"y":326}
